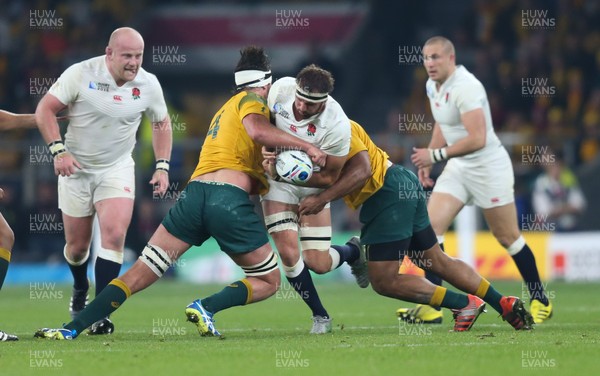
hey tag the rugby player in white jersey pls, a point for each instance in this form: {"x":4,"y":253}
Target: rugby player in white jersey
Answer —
{"x":479,"y":169}
{"x":106,"y":97}
{"x":302,"y":107}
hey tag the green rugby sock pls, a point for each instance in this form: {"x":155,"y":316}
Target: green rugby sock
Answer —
{"x":236,"y":294}
{"x":111,"y":298}
{"x":453,"y":300}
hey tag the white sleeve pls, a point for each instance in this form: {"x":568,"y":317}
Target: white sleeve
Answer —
{"x":157,"y":111}
{"x":470,"y":96}
{"x":66,"y":88}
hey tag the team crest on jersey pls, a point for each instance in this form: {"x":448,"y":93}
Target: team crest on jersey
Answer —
{"x":293,"y":128}
{"x":278,"y":109}
{"x":135,"y":93}
{"x":98,"y":86}
{"x":311,"y":129}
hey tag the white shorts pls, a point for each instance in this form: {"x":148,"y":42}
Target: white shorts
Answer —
{"x":289,"y":193}
{"x":487,"y":185}
{"x":78,"y":193}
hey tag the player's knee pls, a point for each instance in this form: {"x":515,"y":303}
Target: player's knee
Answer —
{"x":114,"y":236}
{"x":508,"y":239}
{"x":379,"y":285}
{"x":273,"y":281}
{"x":7,"y":237}
{"x":317,"y":267}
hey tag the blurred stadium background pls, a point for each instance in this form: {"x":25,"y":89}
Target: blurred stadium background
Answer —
{"x":539,"y":61}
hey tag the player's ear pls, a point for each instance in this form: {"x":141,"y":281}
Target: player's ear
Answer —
{"x":108,"y":51}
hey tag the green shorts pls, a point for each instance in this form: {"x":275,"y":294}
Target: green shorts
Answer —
{"x":396,"y":211}
{"x":220,"y":210}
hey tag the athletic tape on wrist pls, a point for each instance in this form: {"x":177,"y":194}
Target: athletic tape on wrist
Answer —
{"x":162,"y":164}
{"x":56,"y":148}
{"x":438,"y":155}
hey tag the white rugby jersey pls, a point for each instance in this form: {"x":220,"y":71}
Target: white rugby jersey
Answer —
{"x":462,"y":92}
{"x":103,"y":117}
{"x":329,"y":130}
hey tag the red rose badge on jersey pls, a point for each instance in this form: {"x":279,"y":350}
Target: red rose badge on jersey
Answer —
{"x":311,"y":129}
{"x":135,"y":93}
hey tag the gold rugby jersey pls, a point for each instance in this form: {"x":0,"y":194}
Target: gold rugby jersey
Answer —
{"x":228,"y":145}
{"x":360,"y":141}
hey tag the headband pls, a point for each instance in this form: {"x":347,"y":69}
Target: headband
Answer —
{"x":252,"y":78}
{"x":311,"y":97}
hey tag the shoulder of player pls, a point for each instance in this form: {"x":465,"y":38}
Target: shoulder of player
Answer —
{"x":283,"y":83}
{"x":466,"y":78}
{"x":143,"y":76}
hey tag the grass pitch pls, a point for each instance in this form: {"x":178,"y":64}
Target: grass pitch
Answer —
{"x":271,"y":338}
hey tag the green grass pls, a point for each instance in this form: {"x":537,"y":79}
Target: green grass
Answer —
{"x":271,"y":337}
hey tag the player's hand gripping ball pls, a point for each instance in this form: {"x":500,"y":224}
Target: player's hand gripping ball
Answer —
{"x":294,"y":166}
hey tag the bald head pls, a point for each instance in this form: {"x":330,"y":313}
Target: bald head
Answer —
{"x":125,"y":36}
{"x":124,"y":54}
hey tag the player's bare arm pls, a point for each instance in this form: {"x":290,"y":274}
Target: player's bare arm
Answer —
{"x":354,"y":175}
{"x":260,"y":130}
{"x":9,"y":120}
{"x":45,"y":116}
{"x":162,"y":141}
{"x":474,"y":122}
{"x":329,"y":174}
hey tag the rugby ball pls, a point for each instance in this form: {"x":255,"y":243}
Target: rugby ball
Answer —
{"x":294,"y":166}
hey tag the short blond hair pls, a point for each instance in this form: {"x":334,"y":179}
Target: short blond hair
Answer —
{"x":445,"y":42}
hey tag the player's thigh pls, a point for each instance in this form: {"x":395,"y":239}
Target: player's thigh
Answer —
{"x":442,"y":209}
{"x":78,"y":232}
{"x":315,"y":230}
{"x":502,"y":221}
{"x":75,"y":194}
{"x":230,"y":218}
{"x":114,"y":216}
{"x":396,"y":210}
